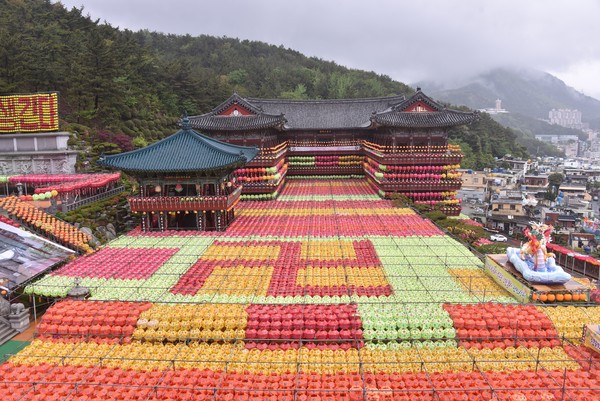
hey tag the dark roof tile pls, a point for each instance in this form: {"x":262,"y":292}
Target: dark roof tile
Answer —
{"x":236,"y":123}
{"x":326,"y":114}
{"x":330,"y":114}
{"x":432,"y":119}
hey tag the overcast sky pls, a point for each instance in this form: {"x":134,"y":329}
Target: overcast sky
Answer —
{"x":407,"y":40}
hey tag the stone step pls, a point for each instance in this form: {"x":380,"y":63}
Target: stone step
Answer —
{"x":6,"y":333}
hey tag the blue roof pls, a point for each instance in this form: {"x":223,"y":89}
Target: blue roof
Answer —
{"x":184,"y":151}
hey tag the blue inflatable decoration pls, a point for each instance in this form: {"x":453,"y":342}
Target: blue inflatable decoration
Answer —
{"x":533,"y":260}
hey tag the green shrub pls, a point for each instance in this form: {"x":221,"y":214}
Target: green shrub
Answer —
{"x":498,"y":247}
{"x":435,"y":215}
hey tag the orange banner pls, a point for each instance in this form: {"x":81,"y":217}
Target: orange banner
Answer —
{"x":29,"y":113}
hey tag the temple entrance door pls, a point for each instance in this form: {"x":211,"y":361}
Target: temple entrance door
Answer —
{"x":153,"y":222}
{"x":187,"y":221}
{"x":210,"y":220}
{"x":182,"y":221}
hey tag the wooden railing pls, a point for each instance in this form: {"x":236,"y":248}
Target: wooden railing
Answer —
{"x":174,"y":203}
{"x":414,"y":158}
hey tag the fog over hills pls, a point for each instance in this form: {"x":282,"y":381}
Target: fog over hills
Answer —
{"x":531,"y":93}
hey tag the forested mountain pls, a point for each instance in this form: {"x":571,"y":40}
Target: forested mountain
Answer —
{"x":129,"y":88}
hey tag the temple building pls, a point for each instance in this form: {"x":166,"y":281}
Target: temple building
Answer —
{"x":400,"y":144}
{"x":186,"y":180}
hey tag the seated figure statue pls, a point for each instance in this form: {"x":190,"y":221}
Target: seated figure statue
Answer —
{"x":533,"y":260}
{"x":534,"y":251}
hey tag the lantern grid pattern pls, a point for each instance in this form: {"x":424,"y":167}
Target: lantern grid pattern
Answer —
{"x":442,"y":333}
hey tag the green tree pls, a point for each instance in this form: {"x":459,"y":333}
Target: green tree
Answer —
{"x":554,"y":182}
{"x":297,"y":94}
{"x":139,"y":142}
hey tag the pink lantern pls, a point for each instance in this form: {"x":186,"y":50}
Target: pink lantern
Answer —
{"x":178,"y":188}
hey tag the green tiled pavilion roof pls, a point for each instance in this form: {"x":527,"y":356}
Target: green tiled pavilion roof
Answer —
{"x":184,"y":151}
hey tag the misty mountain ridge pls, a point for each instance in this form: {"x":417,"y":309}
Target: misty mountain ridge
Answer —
{"x":532,"y":93}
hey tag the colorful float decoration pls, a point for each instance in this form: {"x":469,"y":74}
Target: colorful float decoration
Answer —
{"x":534,"y":261}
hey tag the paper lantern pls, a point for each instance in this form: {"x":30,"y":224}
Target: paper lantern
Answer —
{"x":178,"y":188}
{"x":157,"y":188}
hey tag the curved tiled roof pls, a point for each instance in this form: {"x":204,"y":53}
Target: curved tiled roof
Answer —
{"x":258,"y":120}
{"x":438,"y":118}
{"x":184,"y":151}
{"x":330,"y":114}
{"x":431,"y":119}
{"x":235,"y":99}
{"x":326,"y":114}
{"x":418,"y":97}
{"x":236,"y":123}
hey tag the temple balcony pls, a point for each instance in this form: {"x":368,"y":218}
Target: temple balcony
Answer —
{"x":416,"y":185}
{"x":261,"y":187}
{"x":325,"y":170}
{"x":414,"y":158}
{"x":190,"y":203}
{"x":268,"y":158}
{"x":420,"y":186}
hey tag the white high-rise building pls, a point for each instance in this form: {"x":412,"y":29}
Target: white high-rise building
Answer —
{"x":566,"y":118}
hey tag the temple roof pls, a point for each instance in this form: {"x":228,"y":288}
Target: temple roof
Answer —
{"x":418,"y":97}
{"x":327,"y":114}
{"x":252,"y":118}
{"x":420,"y":111}
{"x":432,"y":119}
{"x":235,"y":123}
{"x":184,"y":151}
{"x":238,"y":113}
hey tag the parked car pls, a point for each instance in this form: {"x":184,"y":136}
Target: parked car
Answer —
{"x":498,"y":238}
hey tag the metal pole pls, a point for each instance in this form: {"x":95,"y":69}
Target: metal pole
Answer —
{"x":34,"y":311}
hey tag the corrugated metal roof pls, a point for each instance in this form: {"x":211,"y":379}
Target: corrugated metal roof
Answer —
{"x":184,"y":151}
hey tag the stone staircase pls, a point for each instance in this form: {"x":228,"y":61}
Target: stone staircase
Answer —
{"x":6,"y":332}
